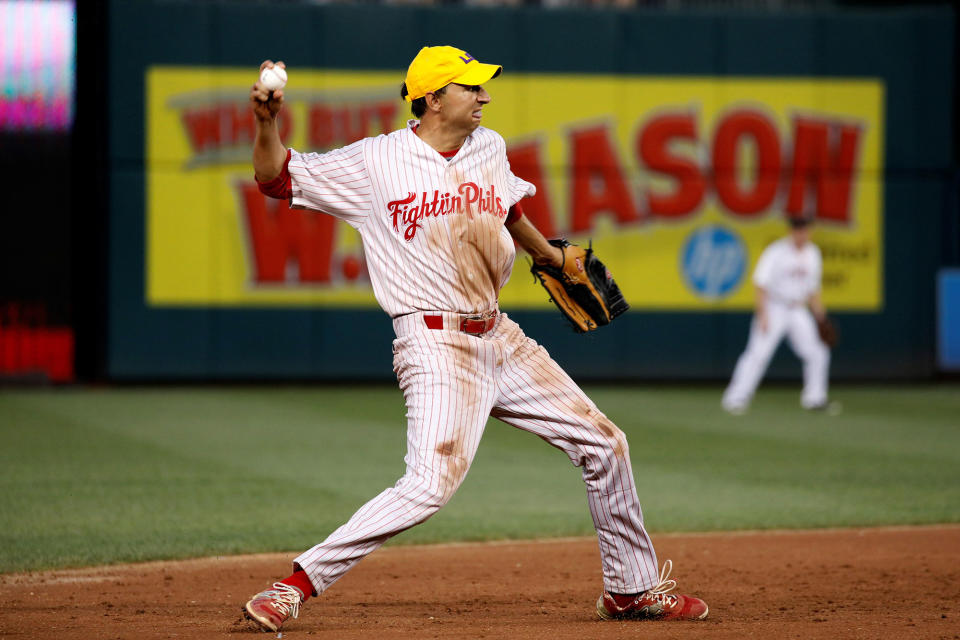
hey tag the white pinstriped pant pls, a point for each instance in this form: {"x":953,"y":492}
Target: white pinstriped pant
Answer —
{"x":452,"y":383}
{"x":797,"y":323}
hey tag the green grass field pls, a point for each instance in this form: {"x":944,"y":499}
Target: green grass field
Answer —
{"x":94,"y":476}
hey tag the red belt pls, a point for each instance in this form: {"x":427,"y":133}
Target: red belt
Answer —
{"x":474,"y":325}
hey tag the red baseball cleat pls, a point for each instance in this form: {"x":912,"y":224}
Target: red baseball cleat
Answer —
{"x":654,"y":604}
{"x":271,"y":608}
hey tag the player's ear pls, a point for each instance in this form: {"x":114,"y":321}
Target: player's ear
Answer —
{"x":433,"y":102}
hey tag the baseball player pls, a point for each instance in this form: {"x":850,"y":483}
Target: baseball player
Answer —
{"x":437,"y":208}
{"x":787,"y":284}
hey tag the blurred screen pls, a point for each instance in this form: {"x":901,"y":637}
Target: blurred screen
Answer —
{"x":37,"y":64}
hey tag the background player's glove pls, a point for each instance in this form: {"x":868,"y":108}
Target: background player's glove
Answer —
{"x":582,"y":288}
{"x":828,"y":331}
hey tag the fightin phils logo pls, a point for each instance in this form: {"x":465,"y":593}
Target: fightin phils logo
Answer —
{"x":407,"y":213}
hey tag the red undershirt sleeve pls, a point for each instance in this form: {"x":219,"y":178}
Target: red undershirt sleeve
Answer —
{"x":279,"y":187}
{"x":515,"y":213}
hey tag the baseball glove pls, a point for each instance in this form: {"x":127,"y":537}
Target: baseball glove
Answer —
{"x":828,"y":331}
{"x":582,"y":288}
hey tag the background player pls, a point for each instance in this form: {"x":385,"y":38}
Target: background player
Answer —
{"x":787,"y":283}
{"x":436,"y":206}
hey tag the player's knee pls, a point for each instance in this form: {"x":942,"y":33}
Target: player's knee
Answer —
{"x":423,"y":498}
{"x":617,"y":444}
{"x":816,"y":354}
{"x":433,"y":489}
{"x":608,"y":440}
{"x":760,"y":353}
{"x":432,"y":498}
{"x":606,"y":460}
{"x":613,"y":440}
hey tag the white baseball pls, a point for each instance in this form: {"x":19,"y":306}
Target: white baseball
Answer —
{"x":273,"y":78}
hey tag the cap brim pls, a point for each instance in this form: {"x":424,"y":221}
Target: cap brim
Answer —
{"x":479,"y":74}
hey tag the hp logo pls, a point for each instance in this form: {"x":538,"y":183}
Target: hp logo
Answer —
{"x":713,"y":262}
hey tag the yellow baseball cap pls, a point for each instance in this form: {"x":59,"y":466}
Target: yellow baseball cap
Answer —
{"x":436,"y":67}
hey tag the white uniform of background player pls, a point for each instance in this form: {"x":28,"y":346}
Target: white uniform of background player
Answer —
{"x":438,"y":231}
{"x":787,"y":280}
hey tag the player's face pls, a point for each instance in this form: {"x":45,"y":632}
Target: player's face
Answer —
{"x":464,"y":104}
{"x":801,"y":236}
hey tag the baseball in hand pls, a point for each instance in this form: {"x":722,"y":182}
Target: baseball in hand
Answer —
{"x":273,"y":78}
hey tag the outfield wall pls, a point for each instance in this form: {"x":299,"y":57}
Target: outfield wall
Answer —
{"x":676,"y":142}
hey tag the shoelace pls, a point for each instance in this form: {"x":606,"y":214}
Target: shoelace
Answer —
{"x":658,"y":592}
{"x":285,"y":598}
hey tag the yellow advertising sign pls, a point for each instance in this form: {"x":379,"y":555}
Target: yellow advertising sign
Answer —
{"x":679,"y":182}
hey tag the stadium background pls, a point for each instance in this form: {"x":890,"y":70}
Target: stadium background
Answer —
{"x":137,"y":258}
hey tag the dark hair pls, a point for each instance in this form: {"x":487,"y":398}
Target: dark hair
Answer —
{"x":419,"y":106}
{"x":799,"y":222}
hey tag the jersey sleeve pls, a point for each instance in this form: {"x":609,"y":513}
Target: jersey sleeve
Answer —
{"x":763,"y":273}
{"x":336,"y":182}
{"x":517,"y":188}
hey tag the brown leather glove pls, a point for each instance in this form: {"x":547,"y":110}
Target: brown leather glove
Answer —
{"x":828,"y":331}
{"x":583,"y":288}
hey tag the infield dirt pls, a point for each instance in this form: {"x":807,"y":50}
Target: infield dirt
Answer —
{"x":853,"y":583}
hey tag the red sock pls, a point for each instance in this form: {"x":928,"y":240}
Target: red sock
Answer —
{"x":300,"y":580}
{"x":623,"y":599}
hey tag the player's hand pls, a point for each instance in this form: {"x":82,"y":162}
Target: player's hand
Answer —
{"x":266,"y":103}
{"x":555,"y":257}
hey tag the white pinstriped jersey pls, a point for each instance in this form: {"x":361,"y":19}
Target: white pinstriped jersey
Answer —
{"x":789,"y":275}
{"x":434,"y":237}
{"x":432,"y":228}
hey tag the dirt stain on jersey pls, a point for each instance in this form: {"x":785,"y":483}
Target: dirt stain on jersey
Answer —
{"x":471,"y":244}
{"x":476,"y":248}
{"x":436,"y":237}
